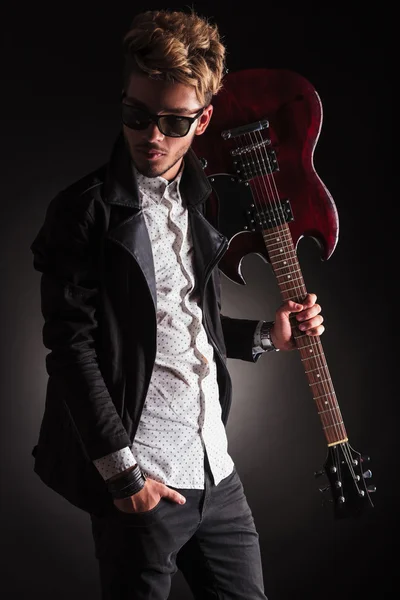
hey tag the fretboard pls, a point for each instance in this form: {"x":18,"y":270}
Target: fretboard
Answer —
{"x":284,"y":262}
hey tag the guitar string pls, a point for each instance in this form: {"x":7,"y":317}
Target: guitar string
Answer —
{"x":333,"y":412}
{"x":344,"y":447}
{"x":272,"y":195}
{"x":297,"y":285}
{"x":329,"y":413}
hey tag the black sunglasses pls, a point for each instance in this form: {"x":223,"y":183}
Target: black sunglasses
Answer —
{"x":169,"y":125}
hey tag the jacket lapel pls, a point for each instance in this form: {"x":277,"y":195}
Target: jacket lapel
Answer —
{"x":127,"y":226}
{"x":132,"y":235}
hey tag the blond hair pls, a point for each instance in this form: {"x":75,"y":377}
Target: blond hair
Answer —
{"x":176,"y":46}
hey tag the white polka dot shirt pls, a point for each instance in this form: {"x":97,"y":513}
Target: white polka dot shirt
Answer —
{"x":181,"y":417}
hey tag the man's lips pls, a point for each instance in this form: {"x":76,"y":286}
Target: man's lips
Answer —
{"x":152,"y":152}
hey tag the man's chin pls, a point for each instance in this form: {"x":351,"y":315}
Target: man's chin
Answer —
{"x":153,"y":170}
{"x":148,"y":170}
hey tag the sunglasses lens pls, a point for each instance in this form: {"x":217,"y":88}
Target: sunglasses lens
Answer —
{"x":134,"y":118}
{"x":174,"y":126}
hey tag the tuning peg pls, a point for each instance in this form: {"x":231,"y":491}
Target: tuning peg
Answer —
{"x":324,"y":489}
{"x":326,"y":501}
{"x":371,"y":488}
{"x":318,"y":473}
{"x":367,"y":474}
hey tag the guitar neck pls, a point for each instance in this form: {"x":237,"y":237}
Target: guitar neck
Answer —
{"x":285,"y":264}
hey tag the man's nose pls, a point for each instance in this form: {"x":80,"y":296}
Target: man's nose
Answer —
{"x":152,"y":133}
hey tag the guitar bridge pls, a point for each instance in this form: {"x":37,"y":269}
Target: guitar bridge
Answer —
{"x":250,"y":128}
{"x":252,"y":156}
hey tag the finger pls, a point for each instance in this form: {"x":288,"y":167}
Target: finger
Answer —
{"x":316,"y":330}
{"x":310,"y":324}
{"x":309,"y":313}
{"x":309,"y":300}
{"x":174,"y":496}
{"x":290,"y":306}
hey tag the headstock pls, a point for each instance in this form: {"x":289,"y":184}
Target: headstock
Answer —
{"x":348,"y":473}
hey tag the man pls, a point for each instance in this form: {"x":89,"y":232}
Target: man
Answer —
{"x":138,"y":391}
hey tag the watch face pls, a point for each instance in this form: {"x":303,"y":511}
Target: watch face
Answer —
{"x":266,"y":342}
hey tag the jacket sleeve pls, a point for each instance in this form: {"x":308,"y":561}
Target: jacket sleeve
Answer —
{"x":239,"y":337}
{"x":239,"y":334}
{"x":66,"y":253}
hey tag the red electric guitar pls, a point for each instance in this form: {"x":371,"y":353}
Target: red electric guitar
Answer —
{"x":258,"y":155}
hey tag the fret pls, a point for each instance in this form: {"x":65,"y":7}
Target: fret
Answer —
{"x":334,"y":425}
{"x":321,"y":412}
{"x":276,"y":250}
{"x":290,"y":275}
{"x":285,"y":267}
{"x":303,"y":336}
{"x":321,"y":381}
{"x":316,"y":369}
{"x":277,"y":240}
{"x":282,"y":231}
{"x":310,"y":346}
{"x":278,"y":253}
{"x":313,"y":356}
{"x":279,"y":257}
{"x":288,"y":289}
{"x":324,"y":395}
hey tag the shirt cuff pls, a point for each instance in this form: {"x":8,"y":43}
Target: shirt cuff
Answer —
{"x":115,"y":463}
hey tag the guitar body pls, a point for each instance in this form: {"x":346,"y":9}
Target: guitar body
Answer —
{"x":257,"y":153}
{"x":294,"y":111}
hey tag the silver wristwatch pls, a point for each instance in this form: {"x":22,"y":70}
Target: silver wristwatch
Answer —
{"x":265,"y":337}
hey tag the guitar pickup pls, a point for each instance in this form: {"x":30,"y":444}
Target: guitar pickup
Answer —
{"x":266,"y":163}
{"x":271,"y":216}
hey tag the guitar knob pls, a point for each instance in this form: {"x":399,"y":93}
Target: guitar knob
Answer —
{"x":371,"y":488}
{"x":367,"y":474}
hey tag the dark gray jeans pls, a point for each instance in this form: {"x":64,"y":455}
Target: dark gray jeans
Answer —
{"x":211,"y":539}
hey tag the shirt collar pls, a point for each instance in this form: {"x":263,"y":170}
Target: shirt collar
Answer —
{"x":155,"y":188}
{"x":120,"y":186}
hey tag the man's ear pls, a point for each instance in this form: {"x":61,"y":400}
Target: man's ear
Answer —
{"x":204,"y":120}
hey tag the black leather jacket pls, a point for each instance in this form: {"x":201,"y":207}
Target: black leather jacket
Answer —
{"x":98,"y":298}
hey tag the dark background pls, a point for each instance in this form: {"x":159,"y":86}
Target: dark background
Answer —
{"x":60,"y":68}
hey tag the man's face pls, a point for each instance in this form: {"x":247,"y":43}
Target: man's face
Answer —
{"x":152,"y":152}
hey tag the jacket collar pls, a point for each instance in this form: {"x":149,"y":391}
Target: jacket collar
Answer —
{"x":121,"y":188}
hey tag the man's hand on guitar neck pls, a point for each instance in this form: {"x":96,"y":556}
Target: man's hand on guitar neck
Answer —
{"x":307,"y":318}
